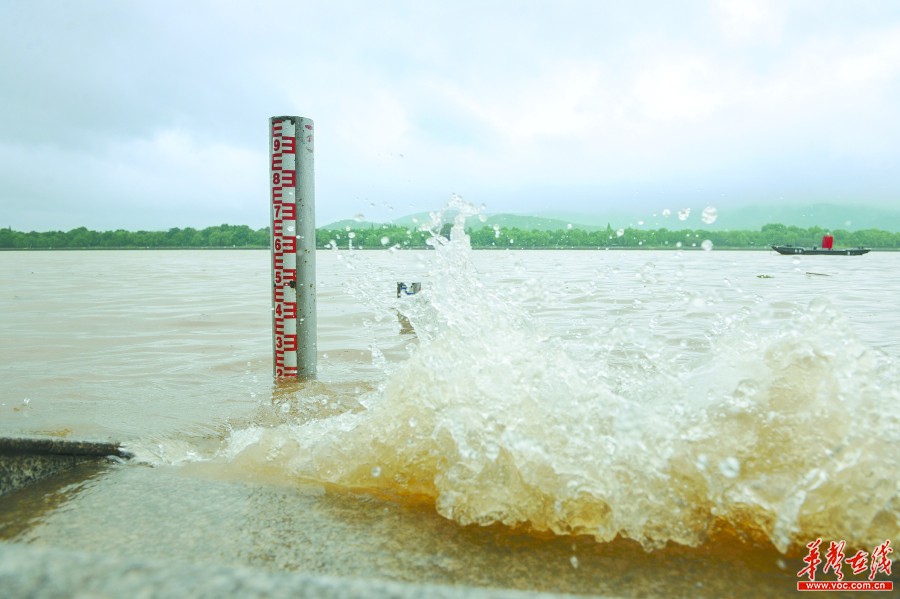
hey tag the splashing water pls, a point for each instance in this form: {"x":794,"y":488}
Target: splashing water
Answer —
{"x":780,"y":437}
{"x":709,"y":215}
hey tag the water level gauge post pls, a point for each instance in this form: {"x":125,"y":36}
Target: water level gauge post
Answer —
{"x":293,"y":242}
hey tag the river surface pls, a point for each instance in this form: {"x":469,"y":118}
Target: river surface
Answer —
{"x":621,"y":414}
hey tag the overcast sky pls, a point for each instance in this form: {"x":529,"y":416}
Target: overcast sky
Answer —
{"x":153,"y":114}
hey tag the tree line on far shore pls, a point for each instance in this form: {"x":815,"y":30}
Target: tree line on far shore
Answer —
{"x":387,"y":236}
{"x":83,"y":238}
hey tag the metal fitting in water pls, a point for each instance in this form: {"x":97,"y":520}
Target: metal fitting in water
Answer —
{"x":411,"y":289}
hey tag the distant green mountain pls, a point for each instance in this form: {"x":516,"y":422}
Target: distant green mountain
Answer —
{"x":507,"y":221}
{"x":745,"y":218}
{"x":412,"y":221}
{"x":826,"y":216}
{"x":615,"y":219}
{"x":504,"y":221}
{"x":537,"y":223}
{"x":349,"y":222}
{"x":749,"y":218}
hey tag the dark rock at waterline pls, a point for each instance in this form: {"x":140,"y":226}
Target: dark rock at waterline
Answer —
{"x":24,"y":460}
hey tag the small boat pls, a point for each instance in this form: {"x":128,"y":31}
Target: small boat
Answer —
{"x":827,"y":249}
{"x":796,"y":251}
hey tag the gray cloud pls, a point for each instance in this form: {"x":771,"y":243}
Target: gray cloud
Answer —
{"x":152,"y":115}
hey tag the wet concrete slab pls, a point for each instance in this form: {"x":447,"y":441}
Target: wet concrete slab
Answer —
{"x":99,"y":522}
{"x":46,"y":573}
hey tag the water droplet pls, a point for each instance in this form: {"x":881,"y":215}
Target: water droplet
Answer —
{"x":347,"y":228}
{"x":746,"y":388}
{"x":684,"y":213}
{"x":707,"y":245}
{"x":640,"y":223}
{"x":620,"y":232}
{"x":359,"y":217}
{"x":351,"y":235}
{"x":730,"y":467}
{"x":678,"y":244}
{"x":666,"y":213}
{"x":385,"y":240}
{"x":709,"y":215}
{"x":26,"y":401}
{"x":569,"y":226}
{"x":376,"y":471}
{"x":574,"y":561}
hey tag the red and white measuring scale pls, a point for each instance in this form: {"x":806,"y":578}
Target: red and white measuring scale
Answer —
{"x":293,"y":246}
